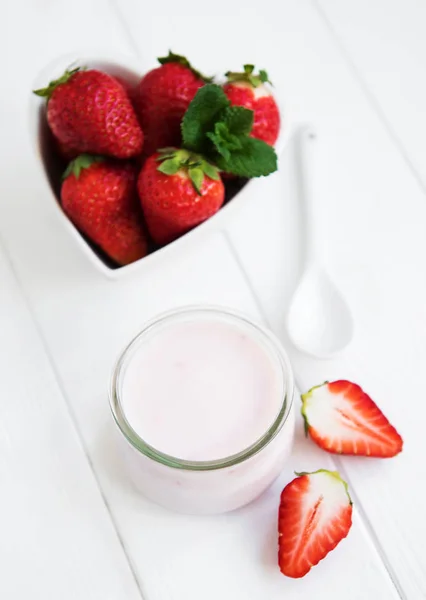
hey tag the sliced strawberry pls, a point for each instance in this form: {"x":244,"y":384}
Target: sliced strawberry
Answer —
{"x":342,"y":419}
{"x":315,"y":514}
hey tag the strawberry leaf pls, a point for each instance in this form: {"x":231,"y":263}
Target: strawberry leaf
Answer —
{"x":196,"y":176}
{"x":196,"y":166}
{"x":182,"y":60}
{"x":166,"y":153}
{"x":264,"y":76}
{"x":204,"y":111}
{"x":83,"y":161}
{"x":248,"y":76}
{"x":170,"y":166}
{"x":255,"y":158}
{"x":210,"y":170}
{"x":48,"y":91}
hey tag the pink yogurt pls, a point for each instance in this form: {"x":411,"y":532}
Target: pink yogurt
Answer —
{"x":204,"y":399}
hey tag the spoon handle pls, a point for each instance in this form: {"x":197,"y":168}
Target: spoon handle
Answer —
{"x":308,"y":141}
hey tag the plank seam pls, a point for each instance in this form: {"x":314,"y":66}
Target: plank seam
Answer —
{"x":71,"y":414}
{"x":377,"y":110}
{"x":371,"y":532}
{"x":336,"y":461}
{"x":369,"y":95}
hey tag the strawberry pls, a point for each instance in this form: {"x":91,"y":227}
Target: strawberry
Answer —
{"x":178,"y":190}
{"x":99,"y":196}
{"x":315,"y":514}
{"x":161,"y":99}
{"x":342,"y":419}
{"x":89,"y":111}
{"x":249,"y":90}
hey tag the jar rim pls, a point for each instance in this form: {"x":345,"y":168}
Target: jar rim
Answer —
{"x":174,"y":462}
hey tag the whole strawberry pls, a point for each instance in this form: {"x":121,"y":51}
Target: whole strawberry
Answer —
{"x":99,"y":196}
{"x":178,"y":190}
{"x":249,"y":90}
{"x":90,"y":111}
{"x":161,"y":99}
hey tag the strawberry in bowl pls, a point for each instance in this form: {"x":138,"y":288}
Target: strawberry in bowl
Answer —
{"x":162,"y":97}
{"x":90,"y":111}
{"x":253,"y":92}
{"x":181,"y":188}
{"x":118,"y":119}
{"x":99,"y":197}
{"x":178,"y":190}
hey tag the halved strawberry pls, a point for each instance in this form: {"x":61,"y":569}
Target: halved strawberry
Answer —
{"x":315,"y":514}
{"x":342,"y":419}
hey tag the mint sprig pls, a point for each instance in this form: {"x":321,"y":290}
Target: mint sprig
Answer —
{"x":221,"y":133}
{"x":205,"y":110}
{"x":238,"y":119}
{"x":255,"y":158}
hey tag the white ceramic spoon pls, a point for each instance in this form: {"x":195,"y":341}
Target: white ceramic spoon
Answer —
{"x":319,"y":322}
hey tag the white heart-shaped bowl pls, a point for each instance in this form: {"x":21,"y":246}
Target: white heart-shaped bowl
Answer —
{"x":130,"y":71}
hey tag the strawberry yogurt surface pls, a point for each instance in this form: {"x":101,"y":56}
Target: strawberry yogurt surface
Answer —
{"x":202,"y":390}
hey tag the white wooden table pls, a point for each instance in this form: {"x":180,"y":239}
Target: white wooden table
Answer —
{"x":71,"y":527}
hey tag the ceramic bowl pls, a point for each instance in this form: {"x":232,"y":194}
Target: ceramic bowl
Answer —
{"x":129,"y":70}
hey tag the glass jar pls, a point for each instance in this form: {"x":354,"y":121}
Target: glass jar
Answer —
{"x":226,"y":482}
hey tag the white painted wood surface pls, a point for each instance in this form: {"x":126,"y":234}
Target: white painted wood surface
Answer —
{"x":384,"y":42}
{"x":57,"y":538}
{"x":374,"y":217}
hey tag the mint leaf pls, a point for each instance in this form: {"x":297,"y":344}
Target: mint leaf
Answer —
{"x":254,"y":159}
{"x":224,"y":141}
{"x":219,"y":145}
{"x":202,"y":114}
{"x":238,"y":119}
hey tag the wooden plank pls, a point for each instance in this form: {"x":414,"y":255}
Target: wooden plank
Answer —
{"x":385,"y":43}
{"x":57,"y":539}
{"x":165,"y":548}
{"x":373,"y":219}
{"x":86,"y":319}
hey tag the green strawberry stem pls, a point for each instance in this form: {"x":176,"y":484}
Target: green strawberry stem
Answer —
{"x":248,"y":76}
{"x":182,"y":60}
{"x":48,"y":91}
{"x":334,"y":474}
{"x":196,"y":166}
{"x":83,"y":161}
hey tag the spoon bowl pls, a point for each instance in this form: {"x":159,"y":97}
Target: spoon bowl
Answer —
{"x":319,"y":321}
